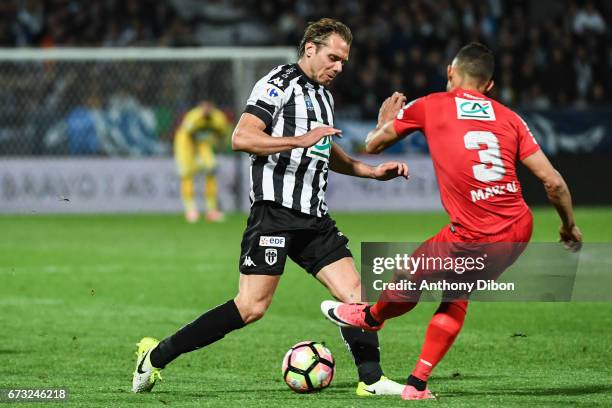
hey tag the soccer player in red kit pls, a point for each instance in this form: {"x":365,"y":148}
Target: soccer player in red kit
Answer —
{"x":474,"y":143}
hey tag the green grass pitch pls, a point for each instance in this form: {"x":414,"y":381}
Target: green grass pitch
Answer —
{"x":77,"y":293}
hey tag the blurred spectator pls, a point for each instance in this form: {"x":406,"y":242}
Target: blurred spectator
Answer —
{"x":29,"y":22}
{"x":584,"y":74}
{"x":550,"y":53}
{"x":589,"y":19}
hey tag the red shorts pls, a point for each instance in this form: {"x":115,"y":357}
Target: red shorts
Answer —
{"x":519,"y":231}
{"x":453,"y":258}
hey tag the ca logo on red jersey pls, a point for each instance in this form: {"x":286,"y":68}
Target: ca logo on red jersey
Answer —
{"x":474,"y":109}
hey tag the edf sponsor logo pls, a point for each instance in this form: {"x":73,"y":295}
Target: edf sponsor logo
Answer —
{"x":278,"y":242}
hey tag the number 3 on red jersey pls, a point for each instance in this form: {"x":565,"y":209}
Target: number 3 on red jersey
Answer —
{"x":491,"y":167}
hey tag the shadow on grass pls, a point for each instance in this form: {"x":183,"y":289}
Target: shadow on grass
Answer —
{"x":11,"y":351}
{"x":337,"y":390}
{"x":545,"y":391}
{"x":461,"y":377}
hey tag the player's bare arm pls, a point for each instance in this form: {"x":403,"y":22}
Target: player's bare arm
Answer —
{"x":249,"y":137}
{"x":559,"y":195}
{"x":342,"y":163}
{"x":384,"y":134}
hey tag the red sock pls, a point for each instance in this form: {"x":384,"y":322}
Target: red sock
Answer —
{"x":442,"y":331}
{"x":383,"y":310}
{"x":393,"y":303}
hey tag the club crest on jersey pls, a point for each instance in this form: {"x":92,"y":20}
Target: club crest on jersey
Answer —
{"x":474,"y":109}
{"x":271,"y":256}
{"x":308,"y":103}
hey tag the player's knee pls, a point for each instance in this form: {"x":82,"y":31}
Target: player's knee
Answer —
{"x":455,"y":308}
{"x":251,"y":311}
{"x":255,"y":312}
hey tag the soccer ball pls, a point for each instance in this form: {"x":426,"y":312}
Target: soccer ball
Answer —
{"x":308,"y":366}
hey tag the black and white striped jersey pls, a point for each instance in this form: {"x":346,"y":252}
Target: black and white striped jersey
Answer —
{"x":291,"y":104}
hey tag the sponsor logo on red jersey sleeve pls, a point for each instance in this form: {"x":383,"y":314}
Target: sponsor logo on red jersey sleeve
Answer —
{"x":528,"y":130}
{"x":400,"y":114}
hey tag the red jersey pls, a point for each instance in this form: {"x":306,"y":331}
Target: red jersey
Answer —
{"x":474,"y":143}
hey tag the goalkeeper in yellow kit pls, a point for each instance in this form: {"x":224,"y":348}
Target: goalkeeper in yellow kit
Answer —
{"x":201,"y":130}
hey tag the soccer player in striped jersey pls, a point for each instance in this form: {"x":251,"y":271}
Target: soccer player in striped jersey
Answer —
{"x":475,"y":143}
{"x":288,"y":130}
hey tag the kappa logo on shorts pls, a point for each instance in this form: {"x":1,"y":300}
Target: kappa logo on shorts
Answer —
{"x":278,"y":242}
{"x":248,"y":261}
{"x":271,"y":256}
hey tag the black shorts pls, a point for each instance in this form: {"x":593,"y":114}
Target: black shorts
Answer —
{"x":273,"y":232}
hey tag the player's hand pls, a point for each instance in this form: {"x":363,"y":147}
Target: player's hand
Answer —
{"x":391,"y":170}
{"x":390,"y":108}
{"x":312,"y":138}
{"x":571,"y":238}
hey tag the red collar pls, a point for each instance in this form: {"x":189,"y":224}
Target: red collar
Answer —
{"x":469,"y":94}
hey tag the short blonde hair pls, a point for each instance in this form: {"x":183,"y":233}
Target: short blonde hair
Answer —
{"x":317,"y":32}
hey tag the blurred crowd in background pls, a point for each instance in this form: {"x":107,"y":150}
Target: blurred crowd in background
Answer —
{"x":549,"y":53}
